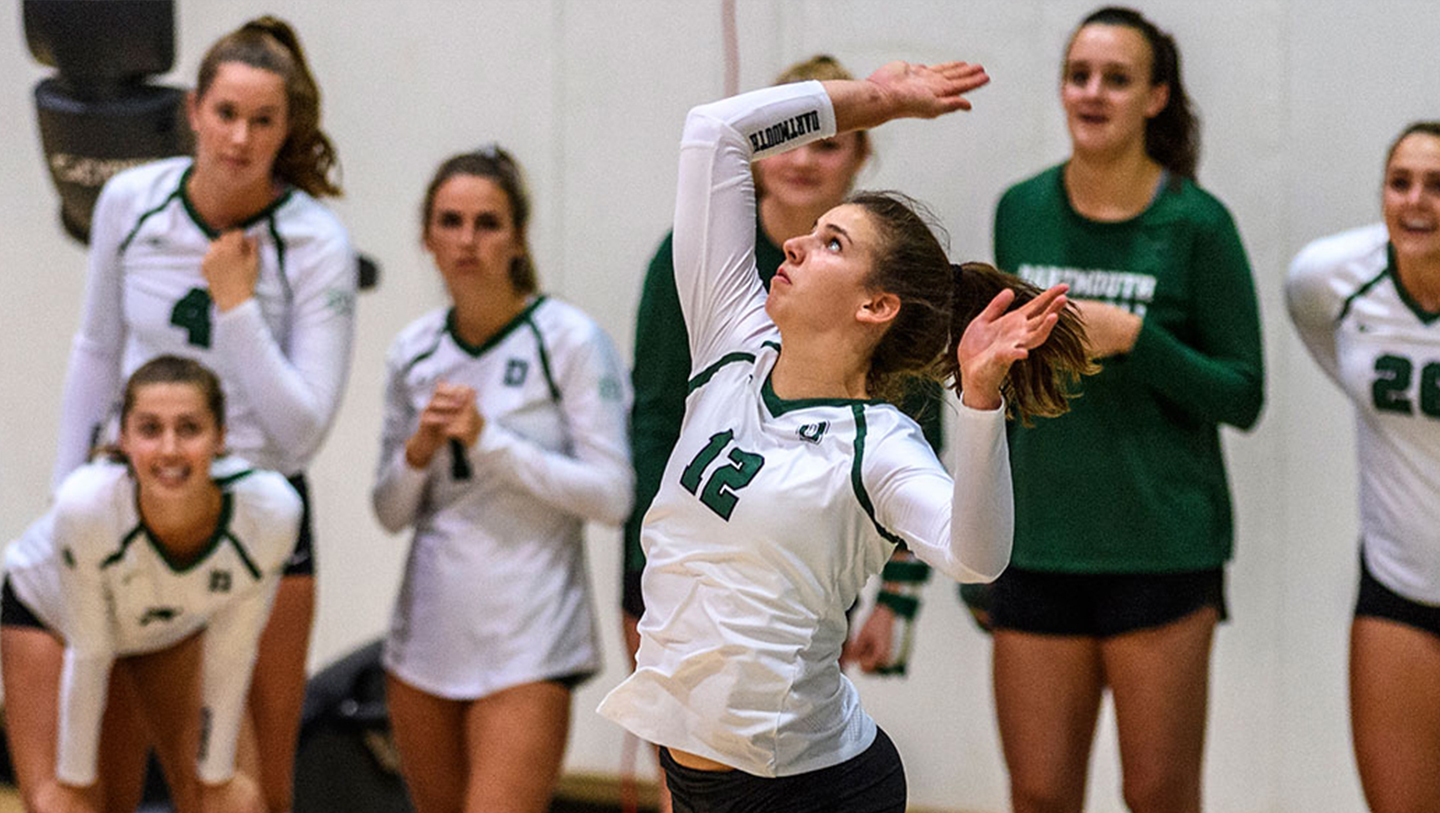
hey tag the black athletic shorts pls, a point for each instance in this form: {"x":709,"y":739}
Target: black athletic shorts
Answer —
{"x":15,"y":613}
{"x":631,"y":601}
{"x":871,"y":782}
{"x":302,"y":559}
{"x":1103,"y":604}
{"x":1378,"y":601}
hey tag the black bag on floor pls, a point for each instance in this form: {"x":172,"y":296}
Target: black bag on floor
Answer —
{"x":346,"y":761}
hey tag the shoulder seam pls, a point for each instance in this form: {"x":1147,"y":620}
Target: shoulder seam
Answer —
{"x":1359,"y":292}
{"x":703,"y":377}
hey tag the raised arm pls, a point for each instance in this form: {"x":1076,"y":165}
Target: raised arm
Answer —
{"x":714,"y":243}
{"x":962,"y":526}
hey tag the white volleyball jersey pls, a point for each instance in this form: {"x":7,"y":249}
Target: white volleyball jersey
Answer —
{"x":282,"y":356}
{"x":94,"y":574}
{"x":1383,"y":349}
{"x":495,"y":592}
{"x":772,"y":512}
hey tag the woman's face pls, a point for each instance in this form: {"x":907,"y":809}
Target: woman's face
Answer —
{"x":170,"y":437}
{"x":240,"y":124}
{"x":1411,"y":200}
{"x":472,"y":234}
{"x":823,"y":280}
{"x":817,"y":175}
{"x":1106,"y":90}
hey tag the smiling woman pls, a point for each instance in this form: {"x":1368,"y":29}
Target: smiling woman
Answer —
{"x":1367,"y":304}
{"x":228,"y":257}
{"x":136,"y":605}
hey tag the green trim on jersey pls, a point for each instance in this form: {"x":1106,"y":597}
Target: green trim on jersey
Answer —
{"x":779,"y":406}
{"x":474,"y":350}
{"x":857,"y":480}
{"x":230,"y":479}
{"x":1426,"y":318}
{"x":140,"y":221}
{"x":427,"y":353}
{"x":244,"y":556}
{"x":211,"y":231}
{"x":124,"y":545}
{"x":544,"y":356}
{"x":222,"y":530}
{"x":1361,"y":291}
{"x":280,"y":257}
{"x":703,"y":377}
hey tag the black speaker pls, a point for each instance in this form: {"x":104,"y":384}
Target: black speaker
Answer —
{"x":98,"y":115}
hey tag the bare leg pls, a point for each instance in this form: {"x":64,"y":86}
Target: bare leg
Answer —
{"x":1160,"y":681}
{"x":167,"y":685}
{"x":277,"y":690}
{"x":516,"y":741}
{"x":430,"y":735}
{"x":1047,"y":698}
{"x":1395,"y":714}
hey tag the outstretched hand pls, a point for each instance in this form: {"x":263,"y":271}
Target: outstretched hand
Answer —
{"x":902,"y":90}
{"x":994,"y":340}
{"x":927,"y":91}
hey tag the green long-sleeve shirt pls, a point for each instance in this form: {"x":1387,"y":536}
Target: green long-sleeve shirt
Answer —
{"x":1132,"y":480}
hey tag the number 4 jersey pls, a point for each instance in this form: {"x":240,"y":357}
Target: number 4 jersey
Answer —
{"x":282,"y":355}
{"x":1383,"y":349}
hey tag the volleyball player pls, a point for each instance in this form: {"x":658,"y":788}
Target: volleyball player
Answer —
{"x":228,"y":257}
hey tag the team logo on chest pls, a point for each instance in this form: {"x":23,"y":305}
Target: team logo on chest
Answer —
{"x":154,"y":614}
{"x":220,"y":581}
{"x":813,"y":432}
{"x":515,"y":372}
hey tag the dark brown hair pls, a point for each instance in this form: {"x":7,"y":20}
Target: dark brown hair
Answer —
{"x":1430,"y":128}
{"x":1172,"y":137}
{"x":307,"y":159}
{"x":176,"y":370}
{"x":937,"y":302}
{"x":496,"y":165}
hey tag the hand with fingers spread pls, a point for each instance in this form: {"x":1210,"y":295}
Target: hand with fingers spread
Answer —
{"x":904,"y":90}
{"x":231,"y":267}
{"x":927,"y":91}
{"x":995,"y":339}
{"x":450,"y":414}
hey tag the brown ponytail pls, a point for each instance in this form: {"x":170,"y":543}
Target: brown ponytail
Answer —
{"x":307,"y":159}
{"x":937,"y":302}
{"x":1040,"y":384}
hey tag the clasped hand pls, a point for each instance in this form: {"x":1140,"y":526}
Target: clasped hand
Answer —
{"x":231,"y":267}
{"x":451,"y":414}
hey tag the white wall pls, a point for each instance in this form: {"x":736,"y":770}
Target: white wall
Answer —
{"x":1299,"y":99}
